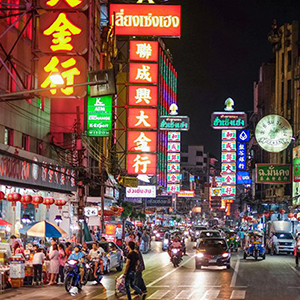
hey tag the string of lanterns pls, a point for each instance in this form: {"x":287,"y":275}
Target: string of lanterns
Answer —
{"x":36,"y":200}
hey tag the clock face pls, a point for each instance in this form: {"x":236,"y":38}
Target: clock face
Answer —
{"x":273,"y":133}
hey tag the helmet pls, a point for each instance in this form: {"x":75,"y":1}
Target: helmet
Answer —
{"x":78,"y":246}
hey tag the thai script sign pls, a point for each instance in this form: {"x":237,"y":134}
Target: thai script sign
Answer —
{"x":229,"y":120}
{"x":243,"y":177}
{"x":176,"y":123}
{"x":273,"y":173}
{"x":186,"y":194}
{"x":159,"y":201}
{"x":142,"y":191}
{"x":146,"y":20}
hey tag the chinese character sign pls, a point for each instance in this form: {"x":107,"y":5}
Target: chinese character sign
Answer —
{"x":228,"y":146}
{"x":241,"y":162}
{"x":228,"y":157}
{"x":139,"y":118}
{"x":64,"y":4}
{"x":143,"y":50}
{"x":73,"y":70}
{"x":143,"y":73}
{"x":173,"y":167}
{"x":228,"y":168}
{"x":63,"y":33}
{"x":228,"y":135}
{"x":173,"y":136}
{"x":173,"y":147}
{"x":141,"y":141}
{"x":141,"y":164}
{"x":143,"y":95}
{"x":174,"y":157}
{"x":146,"y":20}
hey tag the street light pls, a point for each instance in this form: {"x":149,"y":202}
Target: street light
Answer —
{"x":26,"y":219}
{"x":58,"y":219}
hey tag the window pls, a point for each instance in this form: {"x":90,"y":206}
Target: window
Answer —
{"x":289,"y":66}
{"x":282,"y":95}
{"x":205,"y":159}
{"x":184,"y":159}
{"x":199,"y":163}
{"x":25,"y":142}
{"x":199,"y":153}
{"x":39,"y":147}
{"x":8,"y":136}
{"x":289,"y":92}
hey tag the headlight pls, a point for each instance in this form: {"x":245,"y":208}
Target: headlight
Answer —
{"x":225,"y":255}
{"x":174,"y":251}
{"x":166,"y":241}
{"x":72,"y":262}
{"x":200,"y":255}
{"x":154,"y":231}
{"x":157,"y":235}
{"x":197,"y":232}
{"x":186,"y":233}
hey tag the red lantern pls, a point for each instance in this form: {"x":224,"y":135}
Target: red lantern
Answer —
{"x":36,"y":201}
{"x":25,"y":200}
{"x":13,"y":198}
{"x":48,"y":201}
{"x":290,"y":215}
{"x":281,"y":211}
{"x":60,"y":203}
{"x":298,"y":219}
{"x":2,"y":195}
{"x":295,"y":216}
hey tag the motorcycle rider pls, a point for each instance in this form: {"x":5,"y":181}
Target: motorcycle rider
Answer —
{"x":95,"y":255}
{"x":176,"y":244}
{"x":78,"y":255}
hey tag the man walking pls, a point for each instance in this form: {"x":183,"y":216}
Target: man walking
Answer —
{"x":130,"y":271}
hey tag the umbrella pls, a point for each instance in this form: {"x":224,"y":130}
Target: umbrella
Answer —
{"x":26,"y":228}
{"x":4,"y":223}
{"x":45,"y":229}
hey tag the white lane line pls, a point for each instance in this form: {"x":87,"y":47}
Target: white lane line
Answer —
{"x":160,"y":286}
{"x":185,"y":294}
{"x":210,"y":294}
{"x":104,"y":295}
{"x":169,"y":273}
{"x":238,"y":294}
{"x":235,"y":274}
{"x":158,"y":294}
{"x":197,"y":286}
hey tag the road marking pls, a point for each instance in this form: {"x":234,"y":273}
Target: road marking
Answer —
{"x":169,"y":273}
{"x":160,"y":286}
{"x":235,"y":274}
{"x":158,"y":294}
{"x":104,"y":295}
{"x":238,"y":294}
{"x":185,"y":294}
{"x":210,"y":294}
{"x":197,"y":286}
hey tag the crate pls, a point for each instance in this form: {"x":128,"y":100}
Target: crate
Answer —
{"x":16,"y":282}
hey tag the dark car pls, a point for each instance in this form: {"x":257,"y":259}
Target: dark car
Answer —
{"x":212,"y":252}
{"x":113,"y":256}
{"x":195,"y":232}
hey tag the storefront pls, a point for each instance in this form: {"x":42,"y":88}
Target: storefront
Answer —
{"x":43,"y":189}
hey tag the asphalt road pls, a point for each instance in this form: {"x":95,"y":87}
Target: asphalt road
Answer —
{"x":274,"y":278}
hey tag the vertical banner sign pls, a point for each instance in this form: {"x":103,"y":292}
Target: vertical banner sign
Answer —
{"x":173,"y":172}
{"x":99,"y":116}
{"x":63,"y":35}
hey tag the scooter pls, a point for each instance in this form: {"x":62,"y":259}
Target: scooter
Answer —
{"x":89,"y":272}
{"x":176,"y":257}
{"x":73,"y":279}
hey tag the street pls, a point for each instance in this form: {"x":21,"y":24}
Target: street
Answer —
{"x":274,"y":278}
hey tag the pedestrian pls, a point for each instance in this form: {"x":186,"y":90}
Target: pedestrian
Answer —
{"x":54,"y":264}
{"x":130,"y":271}
{"x":297,"y":251}
{"x":145,"y":241}
{"x":62,"y":259}
{"x":37,"y":262}
{"x":242,"y":238}
{"x":139,"y":271}
{"x":68,"y":249}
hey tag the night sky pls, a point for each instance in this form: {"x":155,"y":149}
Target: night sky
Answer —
{"x":222,"y":46}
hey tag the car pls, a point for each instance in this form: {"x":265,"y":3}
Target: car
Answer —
{"x":160,"y":234}
{"x":210,"y":233}
{"x":112,"y":258}
{"x":195,"y":232}
{"x":212,"y":252}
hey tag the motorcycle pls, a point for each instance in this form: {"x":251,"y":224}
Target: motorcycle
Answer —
{"x":176,"y":257}
{"x":89,"y":272}
{"x":72,"y":280}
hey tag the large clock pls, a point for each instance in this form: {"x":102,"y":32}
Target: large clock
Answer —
{"x":273,"y":133}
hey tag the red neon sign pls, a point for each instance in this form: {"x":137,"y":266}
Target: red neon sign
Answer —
{"x":141,"y":141}
{"x":142,"y":118}
{"x":143,"y":73}
{"x":64,"y":4}
{"x":141,"y":164}
{"x":143,"y":20}
{"x":143,"y":50}
{"x":63,"y":33}
{"x":143,"y":95}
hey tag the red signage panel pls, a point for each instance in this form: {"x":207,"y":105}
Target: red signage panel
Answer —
{"x":143,"y":73}
{"x":61,"y":32}
{"x":73,"y":70}
{"x":143,"y":50}
{"x":64,"y":4}
{"x":143,"y":95}
{"x":145,"y":20}
{"x":141,"y":141}
{"x":141,"y":164}
{"x":142,"y":118}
